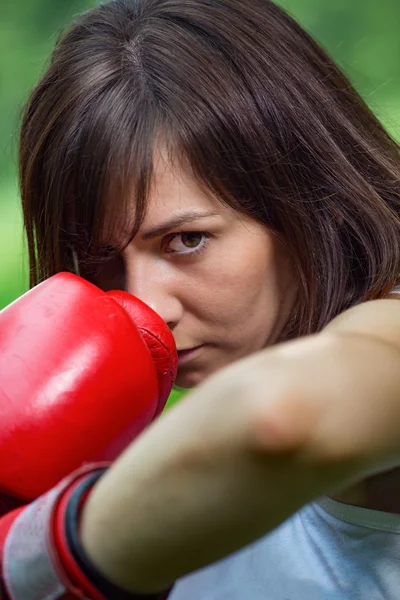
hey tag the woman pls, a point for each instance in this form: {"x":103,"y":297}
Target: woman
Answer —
{"x":211,"y":159}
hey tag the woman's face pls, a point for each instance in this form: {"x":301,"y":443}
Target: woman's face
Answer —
{"x":222,"y":282}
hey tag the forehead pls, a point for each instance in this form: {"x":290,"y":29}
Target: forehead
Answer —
{"x":173,"y":190}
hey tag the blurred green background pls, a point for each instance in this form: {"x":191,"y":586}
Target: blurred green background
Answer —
{"x":362,"y":35}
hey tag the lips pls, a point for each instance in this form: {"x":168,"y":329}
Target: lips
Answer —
{"x":185,"y":356}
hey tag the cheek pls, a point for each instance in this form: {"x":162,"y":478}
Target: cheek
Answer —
{"x":236,"y":289}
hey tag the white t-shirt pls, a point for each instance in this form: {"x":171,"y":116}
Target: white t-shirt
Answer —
{"x":326,"y":551}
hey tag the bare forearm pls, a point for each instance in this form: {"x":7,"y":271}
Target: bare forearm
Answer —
{"x":245,"y":451}
{"x":160,"y":513}
{"x":193,"y":488}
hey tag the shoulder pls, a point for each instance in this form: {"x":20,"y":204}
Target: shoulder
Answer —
{"x":379,"y":319}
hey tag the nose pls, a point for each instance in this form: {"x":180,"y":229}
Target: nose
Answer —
{"x":153,"y":282}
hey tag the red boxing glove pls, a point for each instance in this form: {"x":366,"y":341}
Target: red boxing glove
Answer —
{"x":82,"y":372}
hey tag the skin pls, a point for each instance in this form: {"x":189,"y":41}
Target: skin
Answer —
{"x":258,"y":439}
{"x":237,"y":457}
{"x":379,"y":492}
{"x":222,"y":281}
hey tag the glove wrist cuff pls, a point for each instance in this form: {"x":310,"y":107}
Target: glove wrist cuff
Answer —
{"x":70,"y":522}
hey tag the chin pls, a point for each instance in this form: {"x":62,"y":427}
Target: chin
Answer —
{"x":186,"y":380}
{"x":192,"y":374}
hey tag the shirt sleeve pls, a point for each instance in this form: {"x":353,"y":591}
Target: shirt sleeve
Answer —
{"x":40,"y":553}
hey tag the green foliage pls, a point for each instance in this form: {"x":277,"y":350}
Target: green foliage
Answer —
{"x":175,"y":396}
{"x":362,"y":36}
{"x":28,"y":31}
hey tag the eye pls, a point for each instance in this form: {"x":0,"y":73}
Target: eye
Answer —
{"x":190,"y":242}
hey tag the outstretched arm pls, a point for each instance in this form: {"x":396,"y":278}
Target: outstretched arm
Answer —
{"x":248,"y":448}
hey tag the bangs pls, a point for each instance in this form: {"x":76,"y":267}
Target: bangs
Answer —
{"x":114,"y":169}
{"x":114,"y":173}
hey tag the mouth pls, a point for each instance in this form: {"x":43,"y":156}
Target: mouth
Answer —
{"x":184,"y":356}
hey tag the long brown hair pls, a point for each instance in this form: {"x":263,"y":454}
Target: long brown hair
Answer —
{"x":254,"y":108}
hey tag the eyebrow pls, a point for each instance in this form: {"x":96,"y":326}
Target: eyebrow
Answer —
{"x":175,"y":222}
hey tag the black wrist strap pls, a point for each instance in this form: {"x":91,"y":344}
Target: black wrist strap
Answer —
{"x":108,"y":589}
{"x":3,"y":593}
